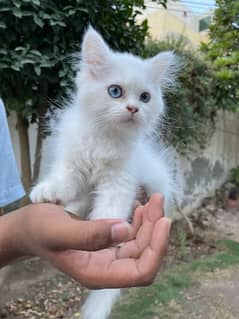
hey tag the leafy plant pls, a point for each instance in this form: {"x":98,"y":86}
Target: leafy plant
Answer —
{"x":191,"y":107}
{"x":223,"y":51}
{"x":37,"y":40}
{"x":235,"y":175}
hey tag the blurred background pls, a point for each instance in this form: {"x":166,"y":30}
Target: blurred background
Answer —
{"x":38,"y":39}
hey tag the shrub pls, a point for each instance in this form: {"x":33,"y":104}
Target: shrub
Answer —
{"x":191,"y":106}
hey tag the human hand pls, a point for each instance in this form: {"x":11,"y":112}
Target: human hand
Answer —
{"x":84,"y":249}
{"x":133,"y":263}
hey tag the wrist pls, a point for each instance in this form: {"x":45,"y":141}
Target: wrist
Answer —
{"x":12,"y":237}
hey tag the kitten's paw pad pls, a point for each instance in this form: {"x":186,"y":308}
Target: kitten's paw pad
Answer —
{"x":43,"y":192}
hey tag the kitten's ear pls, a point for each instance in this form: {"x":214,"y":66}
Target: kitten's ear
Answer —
{"x":94,"y":52}
{"x":164,"y":67}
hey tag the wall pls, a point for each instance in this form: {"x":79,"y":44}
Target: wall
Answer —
{"x":206,"y":170}
{"x":15,"y":140}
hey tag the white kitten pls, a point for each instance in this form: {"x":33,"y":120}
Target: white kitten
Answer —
{"x":101,"y":150}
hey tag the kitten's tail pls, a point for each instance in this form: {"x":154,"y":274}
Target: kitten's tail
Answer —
{"x":99,"y":303}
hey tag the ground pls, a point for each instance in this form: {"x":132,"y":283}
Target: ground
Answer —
{"x":199,"y":277}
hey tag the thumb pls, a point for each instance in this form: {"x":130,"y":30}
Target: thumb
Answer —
{"x":94,"y":235}
{"x":100,"y":234}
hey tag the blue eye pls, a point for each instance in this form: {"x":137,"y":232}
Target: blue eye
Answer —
{"x":145,"y":97}
{"x":115,"y":91}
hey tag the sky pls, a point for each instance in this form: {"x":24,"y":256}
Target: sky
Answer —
{"x":199,"y":6}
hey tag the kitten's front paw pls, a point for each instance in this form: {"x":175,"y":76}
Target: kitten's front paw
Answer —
{"x":44,"y":192}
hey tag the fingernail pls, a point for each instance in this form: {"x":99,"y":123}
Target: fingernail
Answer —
{"x":120,"y":232}
{"x":170,"y":223}
{"x":169,"y":220}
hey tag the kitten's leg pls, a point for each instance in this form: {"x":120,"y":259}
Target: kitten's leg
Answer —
{"x":114,"y":200}
{"x":157,"y":177}
{"x":114,"y":197}
{"x":99,"y":303}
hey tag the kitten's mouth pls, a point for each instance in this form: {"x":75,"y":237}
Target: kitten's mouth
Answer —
{"x":130,"y":119}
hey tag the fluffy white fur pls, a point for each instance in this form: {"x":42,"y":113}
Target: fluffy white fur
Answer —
{"x":101,"y":150}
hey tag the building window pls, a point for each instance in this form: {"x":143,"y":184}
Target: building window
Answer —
{"x":204,"y":23}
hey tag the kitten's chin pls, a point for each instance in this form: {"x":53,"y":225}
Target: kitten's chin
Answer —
{"x":130,"y":124}
{"x":130,"y":120}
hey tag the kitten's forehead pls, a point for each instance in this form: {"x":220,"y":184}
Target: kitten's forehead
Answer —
{"x":130,"y":70}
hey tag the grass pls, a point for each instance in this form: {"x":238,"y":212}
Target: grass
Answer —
{"x":141,"y":303}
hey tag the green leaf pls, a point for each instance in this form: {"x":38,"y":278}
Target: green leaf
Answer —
{"x":35,"y":52}
{"x":17,"y":3}
{"x":71,"y":12}
{"x":27,"y":61}
{"x":38,"y":21}
{"x":44,"y":15}
{"x":17,"y":12}
{"x":3,"y":51}
{"x":2,"y":25}
{"x":37,"y":70}
{"x":82,"y":9}
{"x":27,"y":13}
{"x":3,"y":65}
{"x":36,"y":2}
{"x":56,"y":22}
{"x":19,"y":49}
{"x":4,"y":9}
{"x":62,"y":73}
{"x":15,"y":67}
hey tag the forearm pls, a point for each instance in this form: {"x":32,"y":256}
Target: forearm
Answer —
{"x":12,"y":242}
{"x":43,"y":229}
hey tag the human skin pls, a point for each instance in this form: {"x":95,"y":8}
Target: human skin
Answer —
{"x":89,"y":251}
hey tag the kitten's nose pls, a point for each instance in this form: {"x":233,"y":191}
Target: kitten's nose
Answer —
{"x":132,"y":109}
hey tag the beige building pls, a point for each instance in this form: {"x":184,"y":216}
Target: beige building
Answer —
{"x":177,"y":20}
